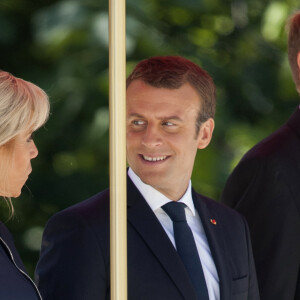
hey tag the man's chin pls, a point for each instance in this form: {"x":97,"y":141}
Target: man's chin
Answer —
{"x":152,"y":177}
{"x":152,"y":180}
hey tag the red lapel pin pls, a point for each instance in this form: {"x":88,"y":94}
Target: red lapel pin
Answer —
{"x":213,"y":221}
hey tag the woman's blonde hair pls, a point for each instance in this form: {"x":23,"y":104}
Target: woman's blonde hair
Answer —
{"x":23,"y":107}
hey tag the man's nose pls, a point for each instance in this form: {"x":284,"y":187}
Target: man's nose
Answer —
{"x":152,"y":137}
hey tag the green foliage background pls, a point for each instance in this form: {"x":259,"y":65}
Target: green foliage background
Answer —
{"x":62,"y":46}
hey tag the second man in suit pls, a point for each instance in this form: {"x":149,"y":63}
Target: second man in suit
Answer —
{"x":265,"y":188}
{"x":181,"y":245}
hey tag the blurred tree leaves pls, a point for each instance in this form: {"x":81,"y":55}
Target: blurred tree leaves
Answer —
{"x":62,"y":46}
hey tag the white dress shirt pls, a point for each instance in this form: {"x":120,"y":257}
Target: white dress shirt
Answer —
{"x":156,"y":200}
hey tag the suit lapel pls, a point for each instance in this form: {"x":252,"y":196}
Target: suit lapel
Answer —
{"x":142,"y":218}
{"x":216,"y":243}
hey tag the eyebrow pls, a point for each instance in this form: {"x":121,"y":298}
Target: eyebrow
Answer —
{"x":172,"y":117}
{"x":135,"y":115}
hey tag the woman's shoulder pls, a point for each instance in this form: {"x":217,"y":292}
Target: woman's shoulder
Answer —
{"x":5,"y":233}
{"x":7,"y":242}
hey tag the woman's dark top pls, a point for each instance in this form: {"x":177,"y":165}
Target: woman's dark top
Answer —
{"x":15,"y":284}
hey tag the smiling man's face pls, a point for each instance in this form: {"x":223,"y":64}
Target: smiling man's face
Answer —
{"x":161,"y":139}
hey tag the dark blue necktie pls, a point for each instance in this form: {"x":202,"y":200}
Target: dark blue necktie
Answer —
{"x":186,"y":247}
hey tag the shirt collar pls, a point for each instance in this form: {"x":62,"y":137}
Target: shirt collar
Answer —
{"x":156,"y":199}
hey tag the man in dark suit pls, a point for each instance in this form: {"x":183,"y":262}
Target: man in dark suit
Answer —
{"x":170,"y":110}
{"x":265,"y":188}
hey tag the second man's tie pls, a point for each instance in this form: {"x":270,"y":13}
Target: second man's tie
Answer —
{"x":186,"y":247}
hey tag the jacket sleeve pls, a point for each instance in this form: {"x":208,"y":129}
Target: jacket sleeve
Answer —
{"x":261,"y":191}
{"x":71,"y":264}
{"x":253,"y":293}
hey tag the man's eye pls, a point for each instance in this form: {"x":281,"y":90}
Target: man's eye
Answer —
{"x":138,"y":122}
{"x":168,"y":124}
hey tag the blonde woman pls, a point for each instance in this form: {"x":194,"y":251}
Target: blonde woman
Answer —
{"x":24,"y":108}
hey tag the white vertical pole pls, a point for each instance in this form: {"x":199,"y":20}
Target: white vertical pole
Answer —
{"x":117,"y":145}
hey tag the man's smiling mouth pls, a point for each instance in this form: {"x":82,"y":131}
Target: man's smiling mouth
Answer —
{"x":157,"y":158}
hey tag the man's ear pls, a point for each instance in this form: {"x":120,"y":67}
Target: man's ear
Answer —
{"x":298,"y":61}
{"x":205,"y":133}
